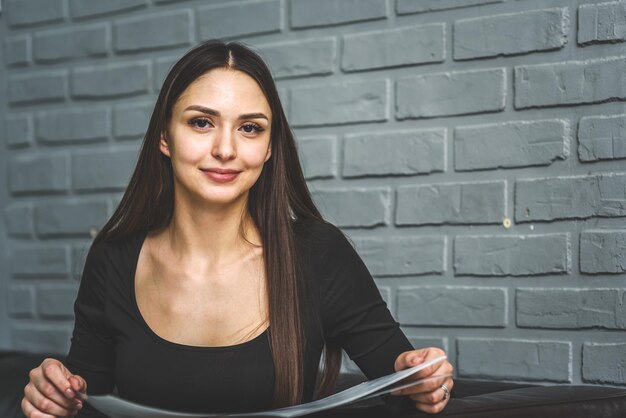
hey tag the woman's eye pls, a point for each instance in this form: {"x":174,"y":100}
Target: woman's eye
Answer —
{"x":200,"y":123}
{"x":252,"y":128}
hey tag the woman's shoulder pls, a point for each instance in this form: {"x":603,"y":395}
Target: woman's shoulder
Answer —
{"x":116,"y":250}
{"x":316,"y":230}
{"x":320,"y":238}
{"x":109,"y":265}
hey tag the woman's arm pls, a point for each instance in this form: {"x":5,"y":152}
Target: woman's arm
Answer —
{"x":356,"y":317}
{"x":57,"y":390}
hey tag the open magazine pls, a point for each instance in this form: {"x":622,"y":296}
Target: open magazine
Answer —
{"x":120,"y":408}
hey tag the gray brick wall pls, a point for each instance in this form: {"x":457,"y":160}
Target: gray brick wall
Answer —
{"x":473,"y":150}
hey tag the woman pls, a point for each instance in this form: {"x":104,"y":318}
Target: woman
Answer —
{"x":216,"y":285}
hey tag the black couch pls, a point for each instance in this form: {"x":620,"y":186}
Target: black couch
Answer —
{"x":470,"y":398}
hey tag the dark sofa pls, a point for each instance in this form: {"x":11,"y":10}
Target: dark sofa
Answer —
{"x":484,"y":399}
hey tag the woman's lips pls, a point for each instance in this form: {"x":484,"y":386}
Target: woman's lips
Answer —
{"x":221,"y":176}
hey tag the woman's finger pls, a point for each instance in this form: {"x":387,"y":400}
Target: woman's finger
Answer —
{"x":439,"y":394}
{"x":428,"y":385}
{"x":78,"y":384}
{"x":439,"y":368}
{"x":58,"y":375}
{"x":48,"y":390}
{"x":47,"y":404}
{"x":43,"y":385}
{"x":31,"y":412}
{"x":429,"y":408}
{"x":408,"y":359}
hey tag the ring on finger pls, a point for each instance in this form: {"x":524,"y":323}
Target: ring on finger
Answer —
{"x":446,"y":392}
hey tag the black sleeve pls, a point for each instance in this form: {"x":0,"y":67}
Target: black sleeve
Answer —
{"x":354,"y":314}
{"x":91,"y":354}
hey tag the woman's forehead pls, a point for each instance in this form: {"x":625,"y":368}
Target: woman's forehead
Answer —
{"x":225,"y":88}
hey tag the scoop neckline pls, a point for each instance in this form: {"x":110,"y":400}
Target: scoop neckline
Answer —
{"x":136,"y":252}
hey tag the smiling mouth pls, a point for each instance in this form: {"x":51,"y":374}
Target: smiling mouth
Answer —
{"x":221,"y":176}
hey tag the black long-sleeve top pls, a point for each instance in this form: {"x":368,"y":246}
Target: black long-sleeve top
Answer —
{"x":112,"y":345}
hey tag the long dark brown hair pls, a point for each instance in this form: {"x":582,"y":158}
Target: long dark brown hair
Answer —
{"x":279,"y":196}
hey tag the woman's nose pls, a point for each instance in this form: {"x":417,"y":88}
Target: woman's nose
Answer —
{"x":224,"y":146}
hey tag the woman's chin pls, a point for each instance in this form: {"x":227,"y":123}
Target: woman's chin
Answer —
{"x":221,"y":199}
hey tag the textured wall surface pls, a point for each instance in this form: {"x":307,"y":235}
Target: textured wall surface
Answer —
{"x":474,"y":151}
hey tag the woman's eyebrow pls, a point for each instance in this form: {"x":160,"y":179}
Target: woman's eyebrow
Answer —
{"x":215,"y":113}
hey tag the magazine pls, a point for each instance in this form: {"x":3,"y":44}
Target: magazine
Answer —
{"x":119,"y":408}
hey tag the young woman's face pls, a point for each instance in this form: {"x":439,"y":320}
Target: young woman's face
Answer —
{"x":219,"y":137}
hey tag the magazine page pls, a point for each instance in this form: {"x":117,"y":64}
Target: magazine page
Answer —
{"x":120,"y":408}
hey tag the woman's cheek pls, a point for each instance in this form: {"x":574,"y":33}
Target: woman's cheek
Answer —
{"x":256,"y":158}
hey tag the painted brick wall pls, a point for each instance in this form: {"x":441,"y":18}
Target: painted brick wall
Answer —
{"x":474,"y":151}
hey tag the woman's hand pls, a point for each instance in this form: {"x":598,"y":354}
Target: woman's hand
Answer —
{"x":430,"y":396}
{"x":53,"y":391}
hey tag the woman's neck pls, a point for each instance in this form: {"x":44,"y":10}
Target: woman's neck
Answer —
{"x":211,"y":235}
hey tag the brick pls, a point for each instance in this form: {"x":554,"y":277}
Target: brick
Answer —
{"x":73,"y":125}
{"x":47,"y":338}
{"x":162,"y":67}
{"x":512,"y":255}
{"x":145,"y":32}
{"x":71,"y":218}
{"x":394,"y":153}
{"x":318,"y":156}
{"x":604,"y":22}
{"x":61,"y":44}
{"x":602,"y":137}
{"x":19,"y":130}
{"x":225,"y":20}
{"x":452,"y":203}
{"x":300,"y":58}
{"x":604,"y":363}
{"x":344,"y":206}
{"x":422,"y":6}
{"x":575,"y":197}
{"x":572,"y":82}
{"x":91,"y":8}
{"x":38,"y":173}
{"x":17,"y":50}
{"x":473,"y":306}
{"x":38,"y":87}
{"x":21,"y":301}
{"x":394,"y":47}
{"x":56,"y":301}
{"x":102,"y":170}
{"x":18,"y":219}
{"x":304,"y":13}
{"x":28,"y":12}
{"x":338,"y":103}
{"x":603,"y":251}
{"x":450,"y":93}
{"x":111,"y":80}
{"x":500,"y":359}
{"x":531,"y":31}
{"x":423,"y":342}
{"x":403,"y":256}
{"x":571,"y":308}
{"x":131,"y":120}
{"x":40,"y":261}
{"x":511,"y":144}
